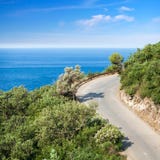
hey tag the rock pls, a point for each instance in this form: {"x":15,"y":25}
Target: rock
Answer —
{"x":145,"y":108}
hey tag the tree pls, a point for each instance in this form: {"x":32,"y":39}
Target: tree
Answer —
{"x":116,"y":60}
{"x":67,"y":82}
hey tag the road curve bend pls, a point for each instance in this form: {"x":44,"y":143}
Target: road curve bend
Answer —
{"x":141,"y":142}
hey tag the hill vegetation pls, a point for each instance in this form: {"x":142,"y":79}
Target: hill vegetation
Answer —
{"x":46,"y":125}
{"x":142,"y":73}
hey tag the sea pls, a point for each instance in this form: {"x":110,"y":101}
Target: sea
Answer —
{"x":34,"y":68}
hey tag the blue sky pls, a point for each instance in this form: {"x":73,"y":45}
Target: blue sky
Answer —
{"x":79,"y":23}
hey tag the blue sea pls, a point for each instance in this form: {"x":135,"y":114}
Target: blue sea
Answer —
{"x":34,"y":68}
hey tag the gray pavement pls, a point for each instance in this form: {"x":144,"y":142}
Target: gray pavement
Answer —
{"x":141,"y":142}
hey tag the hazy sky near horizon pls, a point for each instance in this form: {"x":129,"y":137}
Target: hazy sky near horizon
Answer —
{"x":79,"y":23}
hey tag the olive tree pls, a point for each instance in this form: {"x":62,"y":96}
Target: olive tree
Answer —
{"x":67,"y":82}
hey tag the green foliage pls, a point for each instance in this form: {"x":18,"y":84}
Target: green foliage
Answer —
{"x":142,"y":73}
{"x":53,"y":155}
{"x":43,"y":125}
{"x":109,"y":133}
{"x":14,"y":102}
{"x":85,"y":153}
{"x":116,"y":60}
{"x":67,"y":82}
{"x":151,"y":82}
{"x":62,"y":122}
{"x":112,"y":69}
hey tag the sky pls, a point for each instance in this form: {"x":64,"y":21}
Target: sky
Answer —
{"x":79,"y":23}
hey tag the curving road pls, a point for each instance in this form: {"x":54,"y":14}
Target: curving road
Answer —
{"x":141,"y":142}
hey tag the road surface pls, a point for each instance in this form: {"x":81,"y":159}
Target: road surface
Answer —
{"x":141,"y":142}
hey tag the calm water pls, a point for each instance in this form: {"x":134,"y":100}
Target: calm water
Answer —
{"x":34,"y":68}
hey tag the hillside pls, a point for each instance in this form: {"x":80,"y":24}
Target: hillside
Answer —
{"x":45,"y":125}
{"x":141,"y":73}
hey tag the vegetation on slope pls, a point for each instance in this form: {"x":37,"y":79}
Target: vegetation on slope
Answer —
{"x":142,"y":73}
{"x":44,"y":125}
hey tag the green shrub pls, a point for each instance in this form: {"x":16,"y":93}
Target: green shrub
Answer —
{"x":142,"y":73}
{"x":109,"y":133}
{"x":44,"y":125}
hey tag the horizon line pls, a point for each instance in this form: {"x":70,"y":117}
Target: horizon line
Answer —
{"x":70,"y":47}
{"x":6,"y":46}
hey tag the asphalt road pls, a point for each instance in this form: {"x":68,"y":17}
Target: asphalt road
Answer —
{"x":141,"y":142}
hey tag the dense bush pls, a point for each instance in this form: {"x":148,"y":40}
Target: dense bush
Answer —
{"x":109,"y":133}
{"x":42,"y":125}
{"x":142,"y":73}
